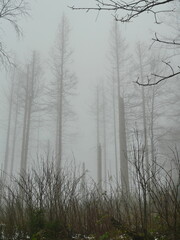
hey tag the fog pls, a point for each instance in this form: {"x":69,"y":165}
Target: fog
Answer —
{"x":89,"y":119}
{"x":90,"y":39}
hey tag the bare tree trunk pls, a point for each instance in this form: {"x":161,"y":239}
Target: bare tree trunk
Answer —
{"x":99,"y":167}
{"x":26,"y":148}
{"x":83,"y":182}
{"x":30,"y":103}
{"x":14,"y":133}
{"x":104,"y":136}
{"x":57,"y":135}
{"x":99,"y":151}
{"x":115,"y":131}
{"x":144,"y":114}
{"x":6,"y":160}
{"x":154,"y":164}
{"x":64,"y":85}
{"x":22,"y":167}
{"x":38,"y":135}
{"x":60,"y":122}
{"x":60,"y":99}
{"x":121,"y":123}
{"x":27,"y":114}
{"x":123,"y":148}
{"x":146,"y":150}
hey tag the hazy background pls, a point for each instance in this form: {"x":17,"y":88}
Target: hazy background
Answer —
{"x":89,"y":40}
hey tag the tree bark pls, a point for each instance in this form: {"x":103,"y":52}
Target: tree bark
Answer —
{"x":99,"y":150}
{"x":6,"y":159}
{"x":121,"y":122}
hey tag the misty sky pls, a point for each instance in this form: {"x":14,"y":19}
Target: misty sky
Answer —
{"x":89,"y":39}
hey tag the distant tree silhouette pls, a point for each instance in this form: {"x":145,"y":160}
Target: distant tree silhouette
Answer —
{"x":11,"y":11}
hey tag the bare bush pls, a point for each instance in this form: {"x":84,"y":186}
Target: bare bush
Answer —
{"x":47,"y":204}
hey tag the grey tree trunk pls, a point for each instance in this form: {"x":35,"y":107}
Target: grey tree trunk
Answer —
{"x":104,"y":136}
{"x":22,"y":166}
{"x":6,"y":159}
{"x":38,"y":135}
{"x":99,"y":167}
{"x":14,"y":132}
{"x":144,"y":114}
{"x":30,"y":95}
{"x":28,"y":125}
{"x":153,"y":158}
{"x":59,"y":130}
{"x":83,"y":182}
{"x":63,"y":87}
{"x":99,"y":150}
{"x":121,"y":122}
{"x":146,"y":170}
{"x":115,"y":133}
{"x":60,"y":85}
{"x":30,"y":104}
{"x":123,"y":148}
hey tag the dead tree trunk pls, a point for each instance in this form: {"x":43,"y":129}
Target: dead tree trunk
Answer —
{"x":144,"y":114}
{"x":6,"y":159}
{"x":30,"y":95}
{"x":99,"y":150}
{"x":121,"y":122}
{"x":83,"y":181}
{"x":65,"y":83}
{"x":104,"y":136}
{"x":60,"y":122}
{"x":115,"y":133}
{"x":14,"y":132}
{"x":22,"y":167}
{"x":123,"y":148}
{"x":153,"y":158}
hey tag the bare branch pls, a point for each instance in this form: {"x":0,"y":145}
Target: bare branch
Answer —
{"x":173,"y":42}
{"x":126,"y":10}
{"x":10,"y":11}
{"x":161,"y":78}
{"x":129,"y":10}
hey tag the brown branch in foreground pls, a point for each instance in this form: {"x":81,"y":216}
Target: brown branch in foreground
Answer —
{"x":132,"y":9}
{"x":157,"y":39}
{"x":162,"y":78}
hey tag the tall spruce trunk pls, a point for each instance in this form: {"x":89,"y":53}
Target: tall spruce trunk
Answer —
{"x":115,"y":133}
{"x":83,"y":181}
{"x":60,"y":103}
{"x":121,"y":124}
{"x":123,"y":148}
{"x":104,"y":138}
{"x":22,"y":166}
{"x":144,"y":115}
{"x":146,"y":170}
{"x":153,"y":158}
{"x":27,"y":115}
{"x":30,"y":104}
{"x":7,"y":150}
{"x":99,"y":150}
{"x":14,"y":133}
